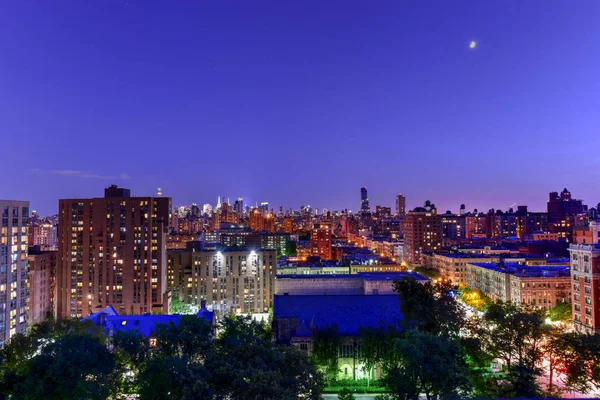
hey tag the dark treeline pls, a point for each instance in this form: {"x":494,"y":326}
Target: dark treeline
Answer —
{"x":75,"y":360}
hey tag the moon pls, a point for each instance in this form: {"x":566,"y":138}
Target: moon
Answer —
{"x":473,"y":44}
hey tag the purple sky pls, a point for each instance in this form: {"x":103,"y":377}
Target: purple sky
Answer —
{"x":301,"y":102}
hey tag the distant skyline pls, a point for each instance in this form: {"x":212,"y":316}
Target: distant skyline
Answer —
{"x":301,"y":102}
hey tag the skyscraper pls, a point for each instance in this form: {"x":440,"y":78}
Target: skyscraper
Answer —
{"x":422,"y":232}
{"x":238,"y":207}
{"x":400,"y":205}
{"x":365,"y":208}
{"x":13,"y":268}
{"x":112,"y":251}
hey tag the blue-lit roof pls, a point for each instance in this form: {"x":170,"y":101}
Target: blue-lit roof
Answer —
{"x":349,"y":313}
{"x":109,"y":319}
{"x":522,"y":270}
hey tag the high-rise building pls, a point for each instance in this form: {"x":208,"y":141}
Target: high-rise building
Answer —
{"x":257,"y":222}
{"x":562,"y":209}
{"x":43,"y":235}
{"x":264,"y":207}
{"x":112,"y":251}
{"x":269,"y":222}
{"x":365,"y":208}
{"x":320,"y":241}
{"x":225,"y":214}
{"x":400,"y":205}
{"x":236,"y":280}
{"x":422,"y":232}
{"x":453,"y":226}
{"x":475,"y":225}
{"x":42,"y":284}
{"x":585,"y":274}
{"x":238,"y":207}
{"x":383,"y":212}
{"x":13,"y":268}
{"x":288,"y":224}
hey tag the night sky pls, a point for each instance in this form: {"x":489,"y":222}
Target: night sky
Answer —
{"x":301,"y":102}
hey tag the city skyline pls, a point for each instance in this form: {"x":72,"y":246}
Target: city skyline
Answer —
{"x":300,"y":103}
{"x":411,"y":203}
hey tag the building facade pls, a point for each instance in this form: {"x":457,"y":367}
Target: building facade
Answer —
{"x":42,"y":285}
{"x":13,"y":268}
{"x":320,"y":241}
{"x":233,"y":280}
{"x":112,"y":251}
{"x":43,"y":235}
{"x":422,"y":232}
{"x":538,"y":286}
{"x":454,"y":266}
{"x":562,"y":210}
{"x":585,"y":274}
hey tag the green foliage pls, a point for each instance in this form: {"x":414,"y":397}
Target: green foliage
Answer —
{"x":179,"y":307}
{"x":291,"y":248}
{"x":474,"y":298}
{"x":514,"y":334}
{"x":561,"y":312}
{"x":71,"y":360}
{"x":346,"y":394}
{"x":429,"y":307}
{"x":326,"y":342}
{"x":430,"y":364}
{"x":246,"y":364}
{"x":71,"y":365}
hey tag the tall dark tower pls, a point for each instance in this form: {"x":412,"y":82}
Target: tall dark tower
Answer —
{"x":400,"y":205}
{"x":364,"y":201}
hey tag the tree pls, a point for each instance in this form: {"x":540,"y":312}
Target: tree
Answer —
{"x":345,"y":394}
{"x":429,"y":307}
{"x":326,"y":343}
{"x":246,"y":364}
{"x":291,"y":248}
{"x":179,"y":307}
{"x":24,"y":350}
{"x":474,"y":298}
{"x":165,"y":377}
{"x":429,"y":364}
{"x":131,"y":350}
{"x":371,"y":344}
{"x":561,"y":312}
{"x":514,"y":334}
{"x":74,"y":366}
{"x":191,"y":337}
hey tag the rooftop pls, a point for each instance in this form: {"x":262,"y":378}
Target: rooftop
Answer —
{"x":367,"y":276}
{"x":109,"y":319}
{"x":526,"y":271}
{"x":349,"y":313}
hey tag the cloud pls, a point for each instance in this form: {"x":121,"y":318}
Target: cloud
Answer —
{"x":79,"y":174}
